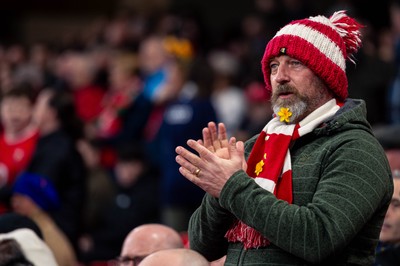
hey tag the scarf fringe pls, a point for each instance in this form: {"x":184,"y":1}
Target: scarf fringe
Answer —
{"x":250,"y":238}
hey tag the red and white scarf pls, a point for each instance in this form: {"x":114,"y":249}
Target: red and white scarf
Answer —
{"x":269,"y":164}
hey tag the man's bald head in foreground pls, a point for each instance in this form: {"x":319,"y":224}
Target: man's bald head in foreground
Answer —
{"x":175,"y":257}
{"x":148,"y":238}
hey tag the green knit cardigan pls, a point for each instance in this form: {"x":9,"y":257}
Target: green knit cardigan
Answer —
{"x":342,"y":187}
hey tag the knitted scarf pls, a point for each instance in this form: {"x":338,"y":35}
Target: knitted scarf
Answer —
{"x":269,"y":163}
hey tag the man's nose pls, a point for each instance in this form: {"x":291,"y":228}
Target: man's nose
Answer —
{"x":282,"y":74}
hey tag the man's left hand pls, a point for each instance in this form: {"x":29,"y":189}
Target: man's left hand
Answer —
{"x":207,"y":170}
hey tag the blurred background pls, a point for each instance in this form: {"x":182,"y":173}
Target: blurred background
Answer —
{"x":49,"y":20}
{"x":97,"y":94}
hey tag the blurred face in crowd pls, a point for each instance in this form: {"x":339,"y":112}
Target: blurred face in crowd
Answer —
{"x":147,"y":239}
{"x":15,"y":113}
{"x":390,"y":232}
{"x":296,"y":87}
{"x":152,"y":55}
{"x":175,"y":257}
{"x":128,"y":172}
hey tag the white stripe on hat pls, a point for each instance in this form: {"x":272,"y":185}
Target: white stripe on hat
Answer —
{"x":324,"y":44}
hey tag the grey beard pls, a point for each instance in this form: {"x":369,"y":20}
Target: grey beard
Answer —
{"x":297,"y":108}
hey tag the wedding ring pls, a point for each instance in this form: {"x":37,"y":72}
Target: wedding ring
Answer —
{"x":196,"y":172}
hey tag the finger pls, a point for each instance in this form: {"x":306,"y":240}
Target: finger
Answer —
{"x":204,"y":153}
{"x":240,"y":153}
{"x":232,"y":146}
{"x":190,"y":167}
{"x":236,"y":149}
{"x":240,"y":147}
{"x":214,"y":135}
{"x":222,"y":135}
{"x":207,"y":139}
{"x":192,"y":160}
{"x":188,"y":175}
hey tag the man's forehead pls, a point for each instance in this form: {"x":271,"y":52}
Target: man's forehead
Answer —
{"x":282,"y":57}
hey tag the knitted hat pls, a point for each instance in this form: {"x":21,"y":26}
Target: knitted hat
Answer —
{"x":322,"y":44}
{"x":39,"y":189}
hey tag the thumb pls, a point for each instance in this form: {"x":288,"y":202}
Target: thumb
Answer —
{"x":240,"y":150}
{"x":236,"y":149}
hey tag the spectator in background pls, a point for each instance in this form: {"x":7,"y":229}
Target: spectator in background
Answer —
{"x":32,"y":245}
{"x":135,"y":202}
{"x":147,"y":239}
{"x":80,"y":79}
{"x":11,"y":253}
{"x":12,"y":220}
{"x":228,"y":100}
{"x":18,"y":138}
{"x":175,"y":257}
{"x":35,"y":69}
{"x":258,"y":112}
{"x":188,"y":110}
{"x":125,"y":110}
{"x":393,"y":95}
{"x":56,"y":158}
{"x":157,"y":67}
{"x":161,"y":81}
{"x":388,"y":249}
{"x":34,"y":249}
{"x":35,"y":196}
{"x":121,"y":96}
{"x":379,"y":70}
{"x":100,"y":187}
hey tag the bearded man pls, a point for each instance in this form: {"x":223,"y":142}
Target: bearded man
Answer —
{"x":314,"y":186}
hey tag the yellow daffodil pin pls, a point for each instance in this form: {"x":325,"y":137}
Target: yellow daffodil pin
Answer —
{"x":284,"y":115}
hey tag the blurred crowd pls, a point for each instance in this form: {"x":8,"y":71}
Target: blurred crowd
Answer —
{"x":89,"y":127}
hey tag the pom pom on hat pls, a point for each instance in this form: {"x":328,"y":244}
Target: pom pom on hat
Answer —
{"x":39,"y":189}
{"x":322,"y":44}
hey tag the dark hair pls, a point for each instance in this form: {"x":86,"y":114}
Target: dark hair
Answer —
{"x":202,"y":75}
{"x":63,"y":103}
{"x":23,"y":90}
{"x":131,"y":151}
{"x":11,"y":254}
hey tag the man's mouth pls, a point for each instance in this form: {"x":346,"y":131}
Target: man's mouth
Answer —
{"x":285,"y":94}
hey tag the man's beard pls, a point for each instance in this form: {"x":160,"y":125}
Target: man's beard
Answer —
{"x":297,"y":104}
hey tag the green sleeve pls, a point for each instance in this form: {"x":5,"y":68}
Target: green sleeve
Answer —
{"x":349,"y":183}
{"x":207,"y":228}
{"x":210,"y":222}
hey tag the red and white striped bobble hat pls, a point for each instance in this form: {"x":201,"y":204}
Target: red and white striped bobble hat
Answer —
{"x":322,"y":44}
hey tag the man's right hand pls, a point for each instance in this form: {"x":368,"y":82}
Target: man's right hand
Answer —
{"x":216,"y":140}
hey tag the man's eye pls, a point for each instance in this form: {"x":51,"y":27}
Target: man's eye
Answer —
{"x":273,"y":66}
{"x":295,"y":63}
